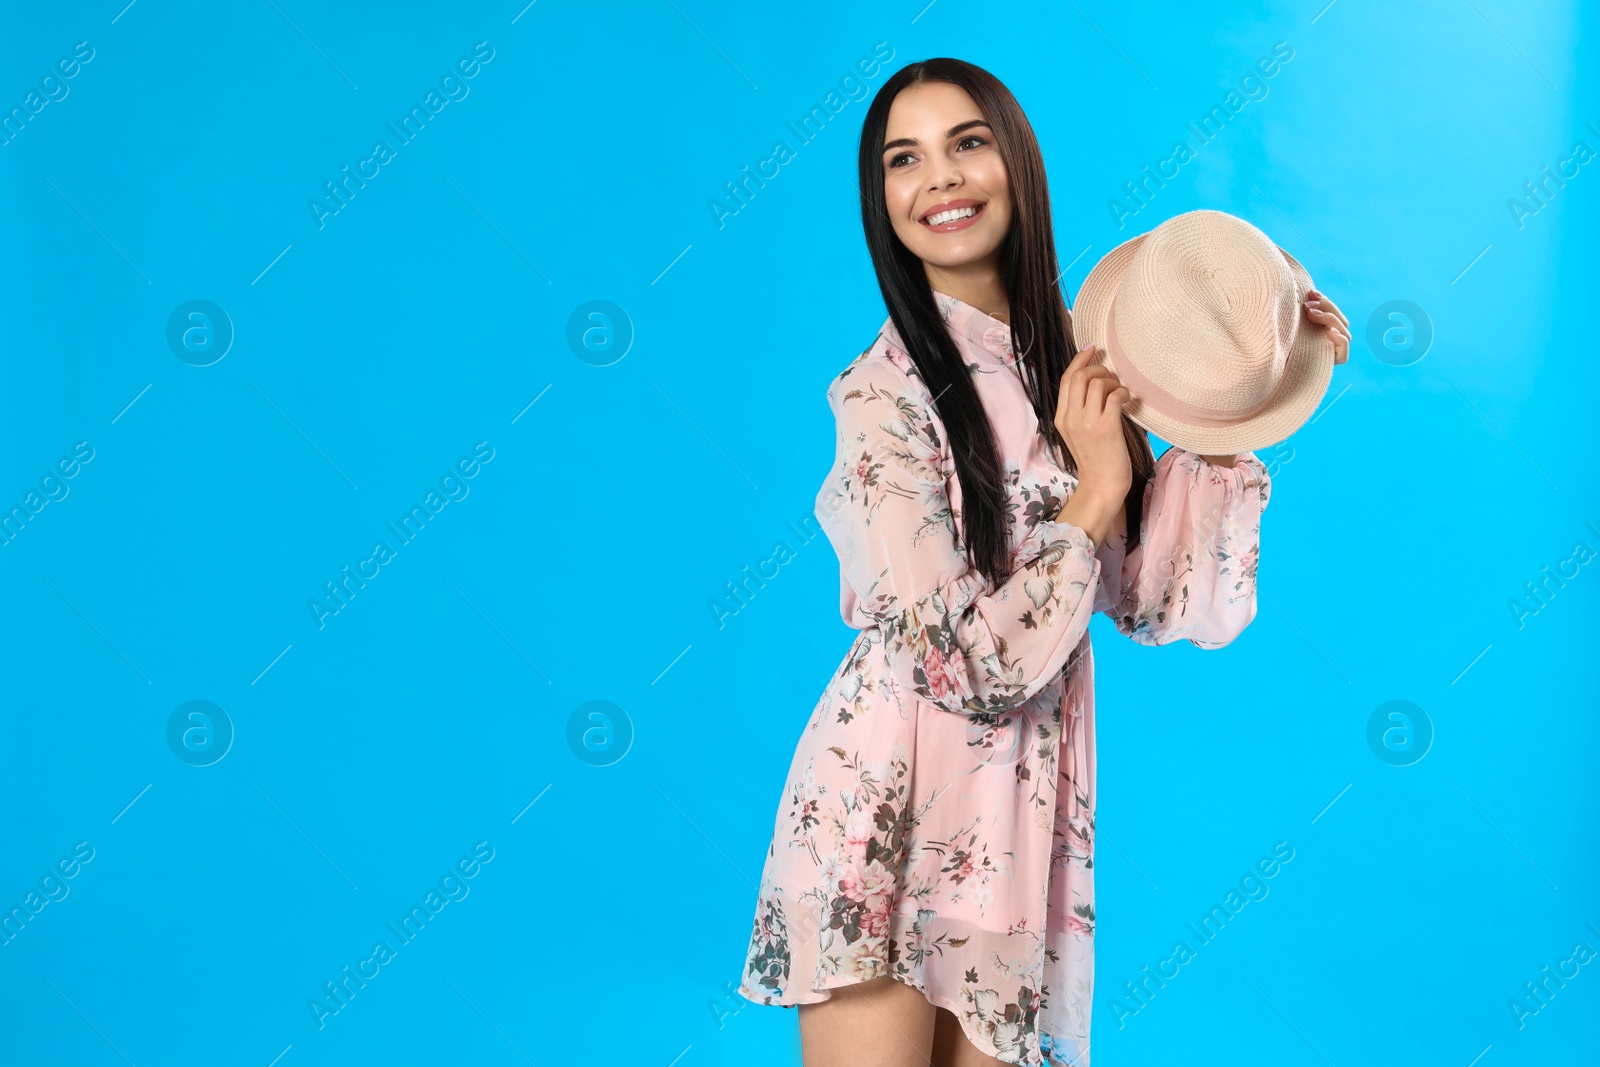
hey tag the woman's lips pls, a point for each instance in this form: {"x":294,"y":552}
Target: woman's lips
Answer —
{"x":958,"y":224}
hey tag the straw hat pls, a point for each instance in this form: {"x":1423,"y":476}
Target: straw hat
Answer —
{"x":1204,"y":320}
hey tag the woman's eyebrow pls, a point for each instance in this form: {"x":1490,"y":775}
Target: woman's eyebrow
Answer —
{"x":906,"y":142}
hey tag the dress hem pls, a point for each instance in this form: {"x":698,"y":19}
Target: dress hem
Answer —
{"x":817,"y":995}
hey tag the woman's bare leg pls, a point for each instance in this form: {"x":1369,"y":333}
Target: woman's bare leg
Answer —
{"x":951,"y":1047}
{"x":877,"y":1023}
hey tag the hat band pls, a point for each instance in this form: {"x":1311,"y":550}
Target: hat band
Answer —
{"x":1163,"y":401}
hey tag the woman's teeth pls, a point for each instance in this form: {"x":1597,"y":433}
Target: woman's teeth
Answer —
{"x":952,"y":215}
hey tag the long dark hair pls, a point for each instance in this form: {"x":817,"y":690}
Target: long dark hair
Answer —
{"x":1041,"y":328}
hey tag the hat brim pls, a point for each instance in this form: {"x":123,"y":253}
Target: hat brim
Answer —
{"x":1308,"y":370}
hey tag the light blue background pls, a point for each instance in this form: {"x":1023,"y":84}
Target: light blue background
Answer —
{"x":431,"y":313}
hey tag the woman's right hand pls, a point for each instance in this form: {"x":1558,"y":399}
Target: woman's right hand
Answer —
{"x":1089,"y":416}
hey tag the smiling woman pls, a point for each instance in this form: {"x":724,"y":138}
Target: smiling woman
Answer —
{"x":928,"y":893}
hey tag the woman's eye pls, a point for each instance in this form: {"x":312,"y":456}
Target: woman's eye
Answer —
{"x":973,"y":139}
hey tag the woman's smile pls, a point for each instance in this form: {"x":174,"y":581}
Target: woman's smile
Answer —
{"x":952,"y":215}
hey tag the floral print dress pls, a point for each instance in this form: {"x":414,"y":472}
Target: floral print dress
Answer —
{"x":937,"y":822}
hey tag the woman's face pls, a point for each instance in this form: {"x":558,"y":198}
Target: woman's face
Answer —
{"x":940,"y":162}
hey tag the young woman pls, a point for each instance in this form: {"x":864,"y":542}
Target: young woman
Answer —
{"x":928,"y":894}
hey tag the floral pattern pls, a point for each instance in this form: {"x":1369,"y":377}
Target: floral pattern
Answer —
{"x":937,"y":822}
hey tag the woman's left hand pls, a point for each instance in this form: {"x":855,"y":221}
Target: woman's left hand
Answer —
{"x":1323,"y":312}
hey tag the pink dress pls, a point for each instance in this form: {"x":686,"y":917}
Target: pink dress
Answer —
{"x":937,"y":821}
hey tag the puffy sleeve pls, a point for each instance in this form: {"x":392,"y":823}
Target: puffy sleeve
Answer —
{"x":1193,"y":574}
{"x":950,"y":638}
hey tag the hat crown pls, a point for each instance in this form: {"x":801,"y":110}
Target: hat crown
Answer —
{"x":1209,"y":283}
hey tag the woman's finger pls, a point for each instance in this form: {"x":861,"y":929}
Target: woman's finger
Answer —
{"x":1323,"y":301}
{"x":1095,"y":389}
{"x":1100,"y":370}
{"x":1320,"y":301}
{"x":1077,"y":383}
{"x":1324,"y":318}
{"x":1110,"y":428}
{"x":1328,"y":320}
{"x":1071,"y":389}
{"x":1341,"y":344}
{"x":1338,"y":332}
{"x":1328,"y":309}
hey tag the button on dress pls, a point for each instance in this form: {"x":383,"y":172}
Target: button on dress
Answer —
{"x":937,"y":821}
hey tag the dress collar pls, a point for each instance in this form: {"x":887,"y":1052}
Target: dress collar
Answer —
{"x":980,"y":336}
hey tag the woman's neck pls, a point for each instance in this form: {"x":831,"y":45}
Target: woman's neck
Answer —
{"x":978,"y":284}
